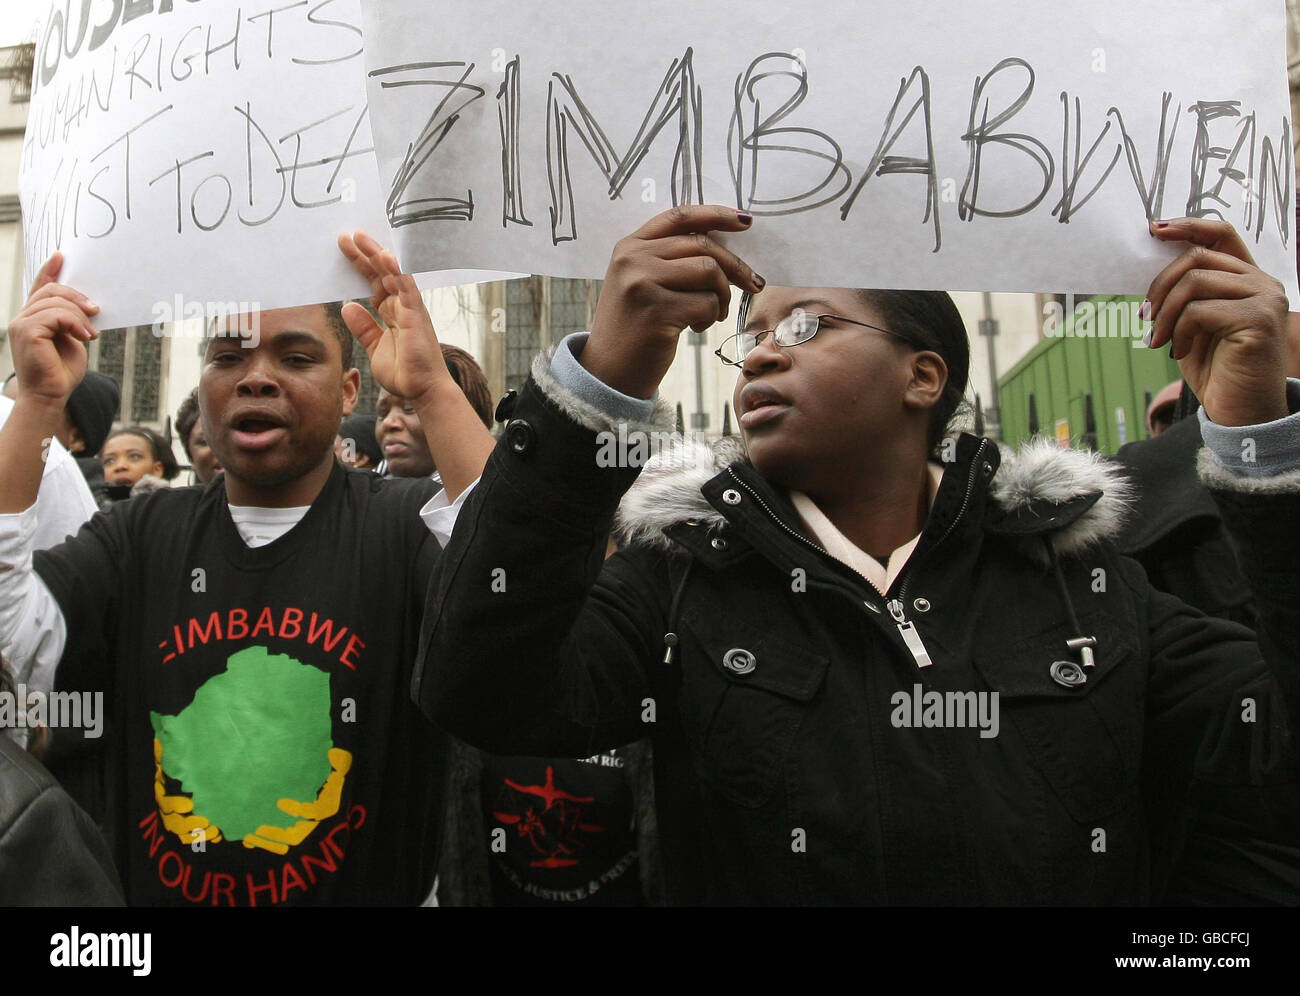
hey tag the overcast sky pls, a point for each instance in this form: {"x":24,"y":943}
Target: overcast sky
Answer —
{"x":18,"y":20}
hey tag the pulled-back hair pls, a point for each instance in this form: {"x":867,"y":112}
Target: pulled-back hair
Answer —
{"x":466,"y":372}
{"x":929,"y":320}
{"x":162,"y":452}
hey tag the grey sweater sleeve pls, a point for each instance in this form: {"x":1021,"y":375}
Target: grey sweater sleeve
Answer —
{"x":1257,"y":450}
{"x":573,"y":377}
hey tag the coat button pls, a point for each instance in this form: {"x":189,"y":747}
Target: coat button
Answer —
{"x":1068,"y":674}
{"x":739,"y":661}
{"x":921,"y":605}
{"x":506,"y":406}
{"x":719,"y":544}
{"x":520,"y":436}
{"x":731,"y":496}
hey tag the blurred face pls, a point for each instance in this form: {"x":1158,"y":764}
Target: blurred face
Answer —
{"x":805,"y":409}
{"x":400,"y":436}
{"x":270,"y":411}
{"x":206,"y":465}
{"x":127,"y":458}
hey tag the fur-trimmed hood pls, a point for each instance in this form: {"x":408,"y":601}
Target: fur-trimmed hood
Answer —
{"x":1078,"y":498}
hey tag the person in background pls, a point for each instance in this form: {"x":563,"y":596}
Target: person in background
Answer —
{"x":1163,"y":409}
{"x":136,"y":460}
{"x":189,"y":427}
{"x":398,"y":431}
{"x":85,"y":425}
{"x":1175,"y":530}
{"x":356,"y":444}
{"x":64,"y":501}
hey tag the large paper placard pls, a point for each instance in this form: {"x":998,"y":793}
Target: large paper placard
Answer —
{"x":207,"y":152}
{"x":955,"y":144}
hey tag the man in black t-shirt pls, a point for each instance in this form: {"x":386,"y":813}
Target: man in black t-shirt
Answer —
{"x":255,"y":640}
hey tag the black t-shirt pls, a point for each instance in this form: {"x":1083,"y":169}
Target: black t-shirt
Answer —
{"x":266,"y":749}
{"x":560,"y":832}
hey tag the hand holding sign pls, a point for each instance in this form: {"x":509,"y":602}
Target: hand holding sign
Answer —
{"x":1226,"y":320}
{"x":667,"y":276}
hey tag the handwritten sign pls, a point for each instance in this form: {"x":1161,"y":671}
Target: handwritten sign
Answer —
{"x":206,"y":151}
{"x":957,"y":144}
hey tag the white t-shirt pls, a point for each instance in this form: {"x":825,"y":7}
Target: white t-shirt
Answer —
{"x":64,"y":501}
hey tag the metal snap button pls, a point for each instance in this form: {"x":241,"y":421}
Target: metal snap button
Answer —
{"x":739,"y":661}
{"x":719,"y":544}
{"x":692,"y":522}
{"x":921,"y":605}
{"x":731,"y":496}
{"x":987,"y":468}
{"x":1068,"y":674}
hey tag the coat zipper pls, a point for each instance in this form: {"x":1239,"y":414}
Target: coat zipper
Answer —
{"x":906,"y":629}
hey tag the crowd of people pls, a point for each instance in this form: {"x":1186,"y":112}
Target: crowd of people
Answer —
{"x":442,"y":653}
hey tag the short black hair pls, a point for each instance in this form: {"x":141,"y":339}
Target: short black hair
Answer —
{"x":162,"y":451}
{"x":334,"y":317}
{"x":929,"y":320}
{"x":187,"y":416}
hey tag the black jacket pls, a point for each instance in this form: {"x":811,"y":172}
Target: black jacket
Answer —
{"x":1175,"y":530}
{"x":766,"y":673}
{"x":51,"y":853}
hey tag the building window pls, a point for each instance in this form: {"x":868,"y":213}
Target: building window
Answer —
{"x":137,"y":359}
{"x":524,"y":300}
{"x":146,"y":376}
{"x":540,"y":311}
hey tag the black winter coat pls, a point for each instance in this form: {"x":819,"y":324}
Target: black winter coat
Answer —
{"x":1175,"y":530}
{"x":768,"y":675}
{"x":51,"y":853}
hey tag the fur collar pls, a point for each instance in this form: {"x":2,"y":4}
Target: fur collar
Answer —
{"x":668,"y":492}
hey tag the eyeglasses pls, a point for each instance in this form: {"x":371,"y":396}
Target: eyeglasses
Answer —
{"x":798,"y":328}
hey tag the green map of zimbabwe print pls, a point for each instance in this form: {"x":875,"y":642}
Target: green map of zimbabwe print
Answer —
{"x":257,"y":733}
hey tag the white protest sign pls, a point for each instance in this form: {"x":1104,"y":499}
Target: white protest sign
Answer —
{"x":207,"y":152}
{"x":956,"y":144}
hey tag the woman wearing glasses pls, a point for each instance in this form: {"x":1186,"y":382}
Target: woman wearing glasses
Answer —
{"x":874,"y":669}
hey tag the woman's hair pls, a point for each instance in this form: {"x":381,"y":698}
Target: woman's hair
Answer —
{"x":187,"y":416}
{"x":161,"y":451}
{"x":466,"y":372}
{"x":929,"y":320}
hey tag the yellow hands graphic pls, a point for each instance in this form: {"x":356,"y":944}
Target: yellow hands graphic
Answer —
{"x":174,"y":808}
{"x":309,"y":814}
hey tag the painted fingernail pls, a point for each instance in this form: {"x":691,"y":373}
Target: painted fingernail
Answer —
{"x":1162,"y":224}
{"x":1144,"y":312}
{"x":759,"y":282}
{"x":1146,"y":339}
{"x":745,"y":218}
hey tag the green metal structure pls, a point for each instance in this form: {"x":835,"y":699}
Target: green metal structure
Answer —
{"x":1096,"y":350}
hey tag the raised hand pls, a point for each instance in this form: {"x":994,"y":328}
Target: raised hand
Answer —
{"x":1226,"y":320}
{"x":667,"y":276}
{"x":48,"y":337}
{"x":404,"y":353}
